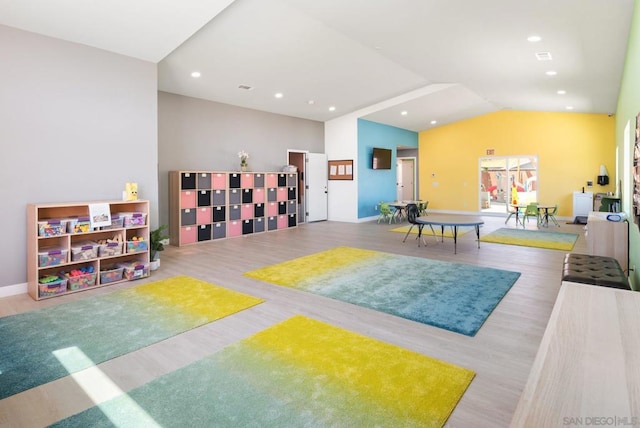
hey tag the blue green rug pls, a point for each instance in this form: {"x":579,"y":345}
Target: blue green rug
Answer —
{"x":41,"y":346}
{"x":454,"y":296}
{"x":532,"y":238}
{"x":298,"y":373}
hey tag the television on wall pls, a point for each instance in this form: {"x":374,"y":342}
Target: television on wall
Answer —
{"x":381,"y":158}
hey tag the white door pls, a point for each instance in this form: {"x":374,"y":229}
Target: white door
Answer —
{"x":316,"y":180}
{"x":405,"y":180}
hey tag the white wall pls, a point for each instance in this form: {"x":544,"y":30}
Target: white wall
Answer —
{"x":76,"y":123}
{"x":341,"y":143}
{"x":195,"y":134}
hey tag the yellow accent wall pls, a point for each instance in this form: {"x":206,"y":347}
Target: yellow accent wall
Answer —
{"x":570,"y":149}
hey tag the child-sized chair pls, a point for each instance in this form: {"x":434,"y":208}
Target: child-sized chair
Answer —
{"x":531,"y":211}
{"x":385,"y":212}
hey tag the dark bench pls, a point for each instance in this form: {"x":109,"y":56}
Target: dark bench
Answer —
{"x":594,"y":270}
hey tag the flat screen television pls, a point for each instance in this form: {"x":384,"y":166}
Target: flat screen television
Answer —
{"x":381,"y":158}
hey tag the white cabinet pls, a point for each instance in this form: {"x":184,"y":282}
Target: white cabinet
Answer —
{"x":582,"y":204}
{"x":608,"y":238}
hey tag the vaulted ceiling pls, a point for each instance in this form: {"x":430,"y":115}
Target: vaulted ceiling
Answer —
{"x":434,"y":60}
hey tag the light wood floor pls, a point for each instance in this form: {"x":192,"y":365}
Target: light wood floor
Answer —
{"x":501,"y":353}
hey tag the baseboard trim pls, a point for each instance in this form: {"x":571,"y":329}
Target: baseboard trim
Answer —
{"x":13,"y":290}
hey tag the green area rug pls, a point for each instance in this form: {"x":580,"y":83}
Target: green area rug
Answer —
{"x":427,"y":231}
{"x":298,"y":373}
{"x":532,"y":238}
{"x":453,"y":296}
{"x":42,"y":345}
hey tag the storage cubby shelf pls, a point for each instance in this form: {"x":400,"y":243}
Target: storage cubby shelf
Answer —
{"x":52,"y":249}
{"x":208,"y":205}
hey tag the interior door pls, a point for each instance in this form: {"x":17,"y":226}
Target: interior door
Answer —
{"x":408,"y":180}
{"x":316,"y":180}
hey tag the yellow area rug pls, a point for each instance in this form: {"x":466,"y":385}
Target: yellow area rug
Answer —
{"x":298,"y":373}
{"x":533,"y":238}
{"x":47,"y":344}
{"x":427,"y":231}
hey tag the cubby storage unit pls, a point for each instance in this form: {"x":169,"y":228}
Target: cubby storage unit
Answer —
{"x":208,"y":205}
{"x":57,"y":245}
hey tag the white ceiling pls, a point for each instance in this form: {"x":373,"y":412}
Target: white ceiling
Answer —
{"x":443,"y":60}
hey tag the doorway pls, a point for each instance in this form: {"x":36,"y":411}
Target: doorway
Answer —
{"x":505,"y":179}
{"x":312,"y":184}
{"x":406,"y":179}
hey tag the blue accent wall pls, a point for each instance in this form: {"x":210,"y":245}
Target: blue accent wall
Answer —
{"x":375,"y":185}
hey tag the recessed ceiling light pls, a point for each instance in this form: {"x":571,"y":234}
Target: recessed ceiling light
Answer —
{"x":404,"y":112}
{"x":569,"y":107}
{"x":196,"y":74}
{"x":433,"y":122}
{"x":311,"y":102}
{"x":551,"y":73}
{"x":279,"y":95}
{"x":561,"y":92}
{"x":534,"y":39}
{"x":332,"y":108}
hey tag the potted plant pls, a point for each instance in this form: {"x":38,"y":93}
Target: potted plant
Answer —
{"x":156,"y":238}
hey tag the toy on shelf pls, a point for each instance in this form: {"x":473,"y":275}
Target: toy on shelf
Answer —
{"x":130,"y":192}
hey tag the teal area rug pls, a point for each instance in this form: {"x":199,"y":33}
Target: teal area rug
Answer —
{"x":454,"y":296}
{"x":532,"y":238}
{"x":44,"y":345}
{"x":298,"y":373}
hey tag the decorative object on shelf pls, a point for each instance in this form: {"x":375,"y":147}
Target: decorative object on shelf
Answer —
{"x":243,"y":159}
{"x":157,"y":237}
{"x":130,"y":192}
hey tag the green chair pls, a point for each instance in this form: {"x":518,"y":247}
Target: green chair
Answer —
{"x":422,"y":207}
{"x":385,"y":212}
{"x":531,"y":211}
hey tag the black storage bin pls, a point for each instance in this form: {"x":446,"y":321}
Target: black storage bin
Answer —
{"x":204,"y":232}
{"x":282,"y":207}
{"x":247,"y":227}
{"x":247,"y":196}
{"x":204,"y":198}
{"x":219,"y":214}
{"x":292,"y":220}
{"x":234,"y":180}
{"x":187,"y":180}
{"x":258,"y":210}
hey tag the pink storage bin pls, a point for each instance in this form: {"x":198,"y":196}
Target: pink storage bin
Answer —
{"x":282,"y":194}
{"x":187,"y":199}
{"x":219,"y":181}
{"x":203,"y":216}
{"x":272,"y":209}
{"x":188,"y":235}
{"x":235,"y":228}
{"x":258,"y":195}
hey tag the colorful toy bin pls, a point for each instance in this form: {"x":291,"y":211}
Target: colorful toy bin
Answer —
{"x":51,"y":285}
{"x":110,"y":274}
{"x":79,"y":279}
{"x":134,"y":270}
{"x":137,"y":246}
{"x":52,"y":227}
{"x":51,"y":256}
{"x":110,"y":249}
{"x":84,"y":250}
{"x":117,"y":222}
{"x":79,"y":225}
{"x":133,"y":219}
